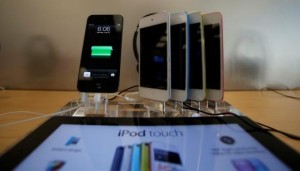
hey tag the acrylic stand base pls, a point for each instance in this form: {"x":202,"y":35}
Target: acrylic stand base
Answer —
{"x":92,"y":104}
{"x":96,"y":104}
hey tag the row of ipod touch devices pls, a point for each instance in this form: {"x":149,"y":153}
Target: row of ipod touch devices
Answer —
{"x":181,"y":56}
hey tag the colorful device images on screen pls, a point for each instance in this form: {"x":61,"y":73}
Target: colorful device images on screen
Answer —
{"x":55,"y":165}
{"x":101,"y":51}
{"x":142,"y":158}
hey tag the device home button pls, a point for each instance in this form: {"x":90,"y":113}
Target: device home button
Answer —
{"x":98,"y":85}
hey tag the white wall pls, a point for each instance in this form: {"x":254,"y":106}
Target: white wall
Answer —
{"x":41,"y":41}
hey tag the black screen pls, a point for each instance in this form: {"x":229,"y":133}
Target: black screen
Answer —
{"x":167,"y":156}
{"x":101,"y":53}
{"x":153,"y":56}
{"x":196,"y":80}
{"x":178,"y":56}
{"x":213,"y":56}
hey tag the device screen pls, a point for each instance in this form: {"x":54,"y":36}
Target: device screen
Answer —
{"x":178,"y":56}
{"x":199,"y":147}
{"x":153,"y":56}
{"x":196,"y":80}
{"x":101,"y":53}
{"x":166,"y":160}
{"x":166,"y":156}
{"x":213,"y":56}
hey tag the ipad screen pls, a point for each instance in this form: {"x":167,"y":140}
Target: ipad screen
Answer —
{"x":165,"y":147}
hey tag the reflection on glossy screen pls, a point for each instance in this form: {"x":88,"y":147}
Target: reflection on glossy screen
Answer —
{"x":153,"y":57}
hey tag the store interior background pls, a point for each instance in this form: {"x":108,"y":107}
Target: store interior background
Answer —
{"x":41,"y":41}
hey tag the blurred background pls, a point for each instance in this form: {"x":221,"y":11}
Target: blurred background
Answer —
{"x":41,"y":41}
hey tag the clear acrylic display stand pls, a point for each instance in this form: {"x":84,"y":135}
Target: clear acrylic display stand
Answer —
{"x":98,"y":104}
{"x":92,"y":104}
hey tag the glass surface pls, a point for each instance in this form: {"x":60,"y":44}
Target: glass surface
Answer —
{"x":153,"y":56}
{"x":176,"y":147}
{"x":178,"y":56}
{"x":196,"y":79}
{"x":213,"y":56}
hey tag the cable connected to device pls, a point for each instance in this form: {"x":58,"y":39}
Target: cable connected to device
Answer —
{"x":267,"y":128}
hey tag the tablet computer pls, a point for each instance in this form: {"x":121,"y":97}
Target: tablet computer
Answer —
{"x":208,"y":143}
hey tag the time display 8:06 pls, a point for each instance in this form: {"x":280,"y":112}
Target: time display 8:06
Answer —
{"x":103,"y":28}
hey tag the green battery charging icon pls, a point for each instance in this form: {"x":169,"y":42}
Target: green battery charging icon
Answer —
{"x":101,"y":51}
